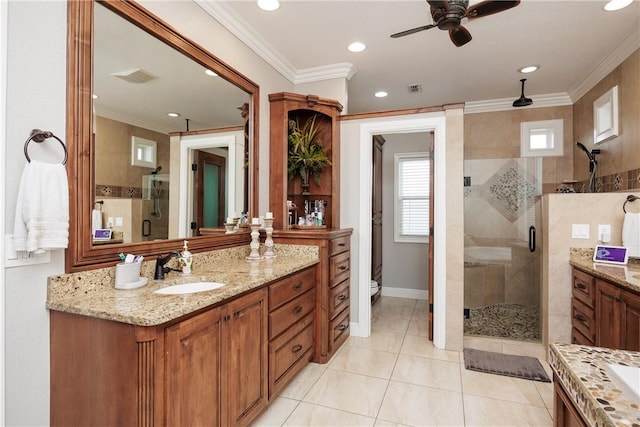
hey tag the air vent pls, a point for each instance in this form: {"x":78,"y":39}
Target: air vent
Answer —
{"x":415,"y":88}
{"x":136,"y":75}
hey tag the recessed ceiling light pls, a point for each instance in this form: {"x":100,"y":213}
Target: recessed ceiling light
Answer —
{"x":528,"y":69}
{"x":268,"y":5}
{"x":210,"y":73}
{"x":356,"y":47}
{"x":381,"y":94}
{"x":616,"y":5}
{"x":173,"y":114}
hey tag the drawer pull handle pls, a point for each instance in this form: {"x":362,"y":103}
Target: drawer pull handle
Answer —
{"x":342,"y":244}
{"x":298,"y":286}
{"x":343,"y":267}
{"x":342,"y":327}
{"x":296,"y":348}
{"x":342,"y":297}
{"x":581,"y":318}
{"x":581,"y":286}
{"x":297,"y":310}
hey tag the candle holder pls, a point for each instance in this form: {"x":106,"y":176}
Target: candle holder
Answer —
{"x":230,"y":227}
{"x":254,"y":255}
{"x":268,"y":242}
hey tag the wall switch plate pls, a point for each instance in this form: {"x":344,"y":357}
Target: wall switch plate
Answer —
{"x":579,"y":231}
{"x":119,"y":222}
{"x":604,"y":233}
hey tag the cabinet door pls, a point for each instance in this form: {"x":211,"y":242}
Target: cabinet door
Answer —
{"x":631,"y":331}
{"x":244,"y":349}
{"x":193,"y":369}
{"x":608,"y":315}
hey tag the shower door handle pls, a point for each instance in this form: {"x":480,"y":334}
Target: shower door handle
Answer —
{"x":532,"y":239}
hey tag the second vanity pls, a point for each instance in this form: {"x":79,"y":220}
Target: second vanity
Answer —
{"x":133,"y":357}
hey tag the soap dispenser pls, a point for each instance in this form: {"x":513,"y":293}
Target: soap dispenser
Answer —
{"x":185,"y":260}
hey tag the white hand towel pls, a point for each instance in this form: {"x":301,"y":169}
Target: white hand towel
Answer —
{"x":96,"y":219}
{"x":42,"y":208}
{"x":631,"y":233}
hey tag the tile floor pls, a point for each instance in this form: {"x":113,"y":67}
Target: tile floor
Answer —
{"x":396,"y":377}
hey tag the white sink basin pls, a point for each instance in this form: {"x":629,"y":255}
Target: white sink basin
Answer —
{"x":628,"y":377}
{"x":189,"y":288}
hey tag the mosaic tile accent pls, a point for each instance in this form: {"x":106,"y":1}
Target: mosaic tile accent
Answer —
{"x":619,"y":181}
{"x":511,"y":192}
{"x":116,"y":191}
{"x":583,"y":373}
{"x":511,"y":321}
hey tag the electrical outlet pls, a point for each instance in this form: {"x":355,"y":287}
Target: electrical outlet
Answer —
{"x":580,"y":231}
{"x":604,"y":233}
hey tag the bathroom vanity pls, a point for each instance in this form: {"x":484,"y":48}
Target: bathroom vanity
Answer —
{"x":134,"y":357}
{"x":605,"y":303}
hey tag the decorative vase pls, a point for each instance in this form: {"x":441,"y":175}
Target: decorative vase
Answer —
{"x":304,"y":174}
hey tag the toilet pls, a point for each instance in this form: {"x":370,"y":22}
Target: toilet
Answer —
{"x":374,"y":287}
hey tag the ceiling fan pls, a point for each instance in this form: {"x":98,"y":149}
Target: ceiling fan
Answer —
{"x":447,"y":15}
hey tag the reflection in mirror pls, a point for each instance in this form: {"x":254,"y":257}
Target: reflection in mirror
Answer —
{"x":138,"y":70}
{"x":148,"y":99}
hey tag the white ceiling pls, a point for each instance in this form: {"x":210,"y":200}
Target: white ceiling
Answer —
{"x":574,"y":41}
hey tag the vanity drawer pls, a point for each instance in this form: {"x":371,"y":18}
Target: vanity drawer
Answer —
{"x":341,"y":244}
{"x":578,"y":338}
{"x":583,"y":319}
{"x":339,"y":268}
{"x":291,"y":287}
{"x":290,"y":313}
{"x":339,"y":331}
{"x":290,"y":352}
{"x":584,"y":287}
{"x":338,"y":298}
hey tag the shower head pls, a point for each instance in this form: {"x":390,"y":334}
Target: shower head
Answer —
{"x":159,"y":168}
{"x":586,"y":150}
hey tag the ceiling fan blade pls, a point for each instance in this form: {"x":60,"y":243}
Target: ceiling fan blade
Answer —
{"x":489,"y":7}
{"x":459,"y":35}
{"x":411,"y":31}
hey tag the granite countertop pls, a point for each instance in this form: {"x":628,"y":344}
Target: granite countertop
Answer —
{"x":627,"y":276}
{"x":92,"y":293}
{"x":583,"y":372}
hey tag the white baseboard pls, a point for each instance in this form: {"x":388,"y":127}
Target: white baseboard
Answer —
{"x":388,"y":291}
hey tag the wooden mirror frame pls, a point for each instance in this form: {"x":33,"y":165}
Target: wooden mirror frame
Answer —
{"x":81,"y":253}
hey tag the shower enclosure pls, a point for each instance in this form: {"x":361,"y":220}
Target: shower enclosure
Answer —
{"x":502,"y":291}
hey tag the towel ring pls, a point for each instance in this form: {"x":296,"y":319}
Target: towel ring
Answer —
{"x":38,"y":135}
{"x":630,"y":198}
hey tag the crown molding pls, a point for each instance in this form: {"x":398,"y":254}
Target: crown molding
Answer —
{"x":505,"y":104}
{"x":233,"y":22}
{"x":343,"y":70}
{"x":629,"y":45}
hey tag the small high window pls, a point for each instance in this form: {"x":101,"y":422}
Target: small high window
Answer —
{"x":541,"y":138}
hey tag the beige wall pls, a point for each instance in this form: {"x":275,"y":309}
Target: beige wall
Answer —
{"x":113,"y":153}
{"x":621,"y":153}
{"x":560,"y":211}
{"x":496,"y":135}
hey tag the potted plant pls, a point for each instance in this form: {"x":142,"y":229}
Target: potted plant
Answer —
{"x":306,"y":152}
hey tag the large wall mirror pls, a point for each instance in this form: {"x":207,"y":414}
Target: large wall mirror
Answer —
{"x":162,"y":137}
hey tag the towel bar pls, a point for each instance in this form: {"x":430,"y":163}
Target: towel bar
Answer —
{"x":630,"y":198}
{"x":38,"y":135}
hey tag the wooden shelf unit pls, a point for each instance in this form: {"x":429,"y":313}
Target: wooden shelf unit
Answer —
{"x":285,"y":106}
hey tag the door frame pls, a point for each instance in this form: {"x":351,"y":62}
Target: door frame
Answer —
{"x":432,"y":122}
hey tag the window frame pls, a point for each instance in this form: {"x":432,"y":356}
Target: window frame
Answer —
{"x":554,"y":128}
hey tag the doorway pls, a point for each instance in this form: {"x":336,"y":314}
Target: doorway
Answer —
{"x":435,"y":122}
{"x":210,"y":189}
{"x":400,"y":218}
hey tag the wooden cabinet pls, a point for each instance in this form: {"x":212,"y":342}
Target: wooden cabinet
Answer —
{"x":618,"y":317}
{"x":583,"y":308}
{"x":215,"y":367}
{"x":565,"y":413}
{"x":332,"y":285}
{"x":604,"y":314}
{"x":201,"y":352}
{"x":291,"y":328}
{"x":289,"y":106}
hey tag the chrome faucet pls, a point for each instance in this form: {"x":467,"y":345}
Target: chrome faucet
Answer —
{"x":161,"y":270}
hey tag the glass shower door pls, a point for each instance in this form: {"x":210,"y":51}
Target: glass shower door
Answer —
{"x":502,"y":260}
